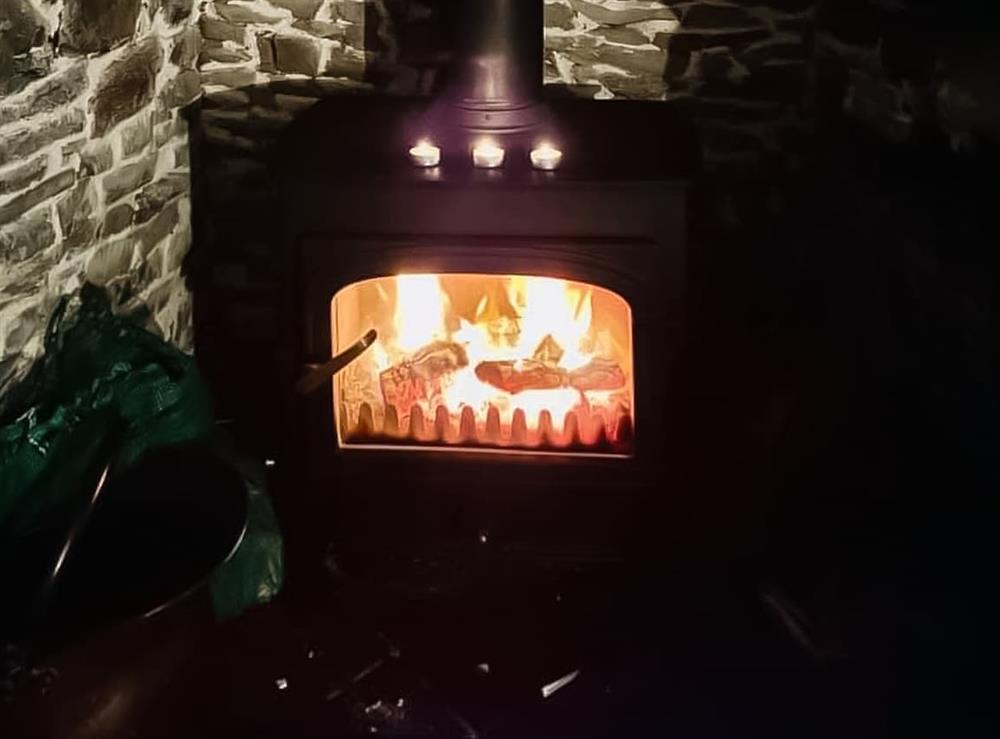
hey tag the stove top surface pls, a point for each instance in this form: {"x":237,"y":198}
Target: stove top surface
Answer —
{"x":364,"y":138}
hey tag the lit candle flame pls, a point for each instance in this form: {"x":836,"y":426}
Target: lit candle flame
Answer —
{"x":545,"y":156}
{"x":487,"y":155}
{"x":425,"y":154}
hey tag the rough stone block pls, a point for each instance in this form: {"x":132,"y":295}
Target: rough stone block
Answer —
{"x":117,"y":219}
{"x":633,"y":61}
{"x":270,"y":118}
{"x":232,"y":77}
{"x":71,"y":148}
{"x":187,"y":45}
{"x":352,"y":10}
{"x":624,"y":35}
{"x":128,"y":178}
{"x":22,"y":140}
{"x":23,"y":174}
{"x":183,"y":89}
{"x":680,"y":45}
{"x":23,"y":321}
{"x":633,"y":87}
{"x":170,"y":303}
{"x":346,"y":63}
{"x":23,"y":28}
{"x":227,"y":99}
{"x":96,"y":157}
{"x":217,"y":136}
{"x":213,"y":51}
{"x":247,"y":14}
{"x":26,"y":237}
{"x":126,"y":85}
{"x":41,"y":192}
{"x":22,"y":69}
{"x":90,"y":26}
{"x":182,"y":155}
{"x":174,"y":11}
{"x":75,"y":210}
{"x":154,"y":196}
{"x":265,"y":49}
{"x":175,"y":251}
{"x":55,"y":92}
{"x":321,"y":29}
{"x":296,"y":54}
{"x":359,"y":36}
{"x":162,"y":224}
{"x":166,"y":130}
{"x":622,"y":14}
{"x":558,"y":15}
{"x":294,"y":103}
{"x":110,"y":260}
{"x":304,"y":9}
{"x":212,"y":28}
{"x":137,"y":134}
{"x":716,"y":64}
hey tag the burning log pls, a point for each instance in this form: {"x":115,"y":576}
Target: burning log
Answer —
{"x":419,"y":377}
{"x":515,"y":376}
{"x":529,"y":374}
{"x":598,"y":374}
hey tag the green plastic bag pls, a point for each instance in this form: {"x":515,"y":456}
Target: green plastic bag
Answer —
{"x":105,"y":382}
{"x":255,"y":572}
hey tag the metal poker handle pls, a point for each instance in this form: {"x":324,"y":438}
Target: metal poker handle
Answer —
{"x":321,"y":374}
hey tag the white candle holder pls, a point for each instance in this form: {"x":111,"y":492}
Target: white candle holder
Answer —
{"x":425,"y":154}
{"x":487,"y":155}
{"x":545,"y":157}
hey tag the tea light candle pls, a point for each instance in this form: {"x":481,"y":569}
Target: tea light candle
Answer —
{"x":545,"y":157}
{"x":425,"y":154}
{"x":487,"y":155}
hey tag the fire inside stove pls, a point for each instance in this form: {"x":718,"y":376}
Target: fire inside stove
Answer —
{"x":473,"y":361}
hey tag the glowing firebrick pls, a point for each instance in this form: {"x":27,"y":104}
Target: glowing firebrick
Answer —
{"x":463,"y":360}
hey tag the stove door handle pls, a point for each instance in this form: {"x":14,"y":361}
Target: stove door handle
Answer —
{"x":319,"y":375}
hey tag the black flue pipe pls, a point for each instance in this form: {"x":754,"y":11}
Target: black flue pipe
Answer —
{"x":496,"y":80}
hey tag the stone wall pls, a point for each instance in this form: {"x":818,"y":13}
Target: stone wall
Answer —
{"x":261,"y":64}
{"x":306,"y":49}
{"x":906,"y":70}
{"x":741,"y":69}
{"x":94,"y":178}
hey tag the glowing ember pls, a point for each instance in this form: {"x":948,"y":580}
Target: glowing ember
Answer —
{"x":484,"y":360}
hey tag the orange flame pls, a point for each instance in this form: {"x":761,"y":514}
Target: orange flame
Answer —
{"x":544,"y":322}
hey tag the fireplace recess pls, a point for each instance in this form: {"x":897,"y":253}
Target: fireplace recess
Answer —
{"x":608,"y":225}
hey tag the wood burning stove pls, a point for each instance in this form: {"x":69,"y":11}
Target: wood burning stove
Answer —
{"x":526,"y":317}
